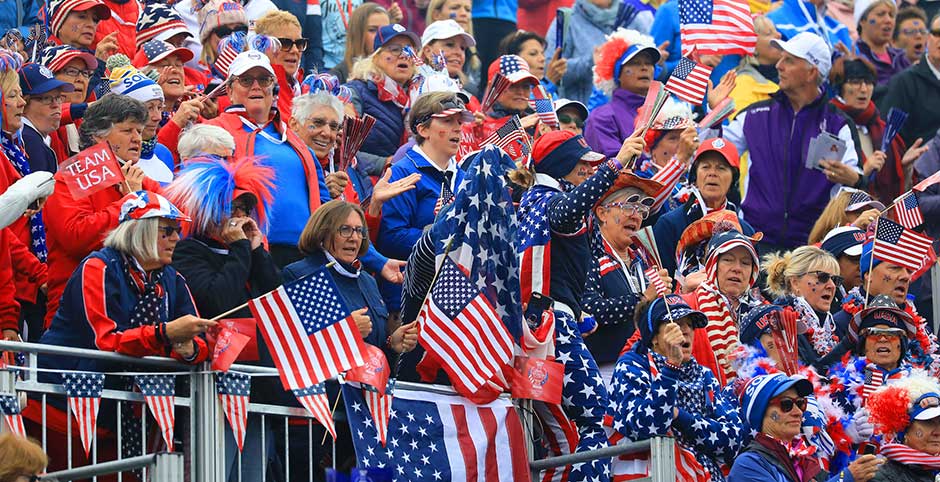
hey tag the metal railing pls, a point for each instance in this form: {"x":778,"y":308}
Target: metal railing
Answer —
{"x":206,"y":434}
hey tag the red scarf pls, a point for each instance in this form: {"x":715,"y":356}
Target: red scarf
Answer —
{"x":889,"y":182}
{"x":391,"y":91}
{"x":798,"y":457}
{"x":905,"y":455}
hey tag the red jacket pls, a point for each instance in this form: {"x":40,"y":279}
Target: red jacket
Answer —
{"x":701,"y":348}
{"x":28,"y":272}
{"x":285,"y":93}
{"x":9,"y":307}
{"x":78,"y":227}
{"x":123,"y":21}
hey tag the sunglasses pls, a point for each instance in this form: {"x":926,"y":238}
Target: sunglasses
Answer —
{"x":883,"y":332}
{"x":567,"y":119}
{"x":243,"y":207}
{"x":786,"y":404}
{"x":287,"y":43}
{"x":824,"y":277}
{"x":347,"y":231}
{"x":264,"y":81}
{"x":631,"y":208}
{"x":225,"y":31}
{"x":167,"y":231}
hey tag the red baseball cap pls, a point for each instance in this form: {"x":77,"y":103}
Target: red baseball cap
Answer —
{"x":721,"y":146}
{"x":557,"y":152}
{"x":513,"y":67}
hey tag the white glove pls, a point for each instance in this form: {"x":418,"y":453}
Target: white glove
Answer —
{"x":860,"y":429}
{"x":22,"y":193}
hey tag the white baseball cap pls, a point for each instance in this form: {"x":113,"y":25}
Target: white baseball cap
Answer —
{"x":809,"y":47}
{"x":445,"y":29}
{"x":562,"y":103}
{"x":248,"y":60}
{"x":863,"y":6}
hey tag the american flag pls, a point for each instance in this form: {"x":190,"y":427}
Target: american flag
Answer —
{"x":908,"y":210}
{"x":439,"y":438}
{"x":689,"y":81}
{"x":460,"y":327}
{"x":10,"y":407}
{"x":543,"y":106}
{"x":446,"y":197}
{"x":716,"y":27}
{"x":900,"y":246}
{"x":930,"y":181}
{"x":874,"y":378}
{"x":159,"y":392}
{"x":511,"y":132}
{"x":380,"y":405}
{"x":234,"y":390}
{"x":309,"y":330}
{"x":652,"y":274}
{"x":84,"y":393}
{"x":313,"y":398}
{"x":480,"y":272}
{"x":535,"y":247}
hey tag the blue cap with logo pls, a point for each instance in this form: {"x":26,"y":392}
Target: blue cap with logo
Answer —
{"x":388,"y":32}
{"x":663,"y":310}
{"x":36,"y":79}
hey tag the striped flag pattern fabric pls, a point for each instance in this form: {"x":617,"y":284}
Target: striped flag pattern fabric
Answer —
{"x":313,"y":398}
{"x":159,"y":392}
{"x":84,"y":396}
{"x":873,"y":379}
{"x":380,"y":406}
{"x":234,"y":390}
{"x":543,"y":106}
{"x":905,"y":455}
{"x":10,"y":407}
{"x":716,"y":27}
{"x":652,"y":274}
{"x":309,"y":330}
{"x":509,"y":133}
{"x":668,"y":175}
{"x":461,"y":327}
{"x":903,"y":247}
{"x":908,"y":210}
{"x":689,"y":81}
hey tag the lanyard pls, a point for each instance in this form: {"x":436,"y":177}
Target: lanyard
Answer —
{"x":345,"y":16}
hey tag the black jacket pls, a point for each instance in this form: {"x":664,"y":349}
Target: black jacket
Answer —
{"x":895,"y":472}
{"x":915,"y":91}
{"x":40,"y":156}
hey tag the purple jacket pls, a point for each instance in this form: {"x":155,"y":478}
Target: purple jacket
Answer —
{"x":608,"y":126}
{"x":783,"y":197}
{"x":898,"y":63}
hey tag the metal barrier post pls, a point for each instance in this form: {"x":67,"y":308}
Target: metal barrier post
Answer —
{"x":167,"y":467}
{"x":207,"y":429}
{"x":935,"y":291}
{"x":662,"y":459}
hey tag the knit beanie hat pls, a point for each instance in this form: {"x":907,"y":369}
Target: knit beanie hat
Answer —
{"x":217,"y":13}
{"x":761,"y":389}
{"x":59,"y":10}
{"x":158,"y":21}
{"x":134,"y":84}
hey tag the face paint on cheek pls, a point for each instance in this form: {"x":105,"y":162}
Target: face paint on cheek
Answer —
{"x":583,"y":172}
{"x":886,"y":279}
{"x":775,"y":416}
{"x":628,"y":71}
{"x":919,"y":433}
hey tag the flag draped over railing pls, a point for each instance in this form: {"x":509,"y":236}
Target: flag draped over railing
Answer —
{"x":84,"y":395}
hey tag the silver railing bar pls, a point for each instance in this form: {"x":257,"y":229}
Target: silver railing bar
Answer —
{"x":105,"y":468}
{"x":107,"y":393}
{"x":587,"y":456}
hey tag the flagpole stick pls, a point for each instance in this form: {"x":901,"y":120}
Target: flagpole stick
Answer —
{"x":871,"y":261}
{"x":245,"y":304}
{"x":333,"y":411}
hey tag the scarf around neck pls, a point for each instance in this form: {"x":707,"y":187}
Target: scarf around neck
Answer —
{"x":905,"y":455}
{"x":888,"y":180}
{"x":797,"y":458}
{"x":391,"y":91}
{"x":603,"y":18}
{"x":37,"y":229}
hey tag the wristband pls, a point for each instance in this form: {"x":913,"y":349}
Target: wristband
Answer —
{"x":614,"y":164}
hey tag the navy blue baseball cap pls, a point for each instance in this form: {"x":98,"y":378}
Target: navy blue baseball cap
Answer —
{"x":756,"y":322}
{"x":657,"y":313}
{"x":844,"y":240}
{"x":36,"y":79}
{"x":556,"y":153}
{"x":388,"y":32}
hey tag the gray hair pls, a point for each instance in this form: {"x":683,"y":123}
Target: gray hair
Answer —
{"x":201,"y":138}
{"x":137,"y":238}
{"x":109,"y":110}
{"x":303,"y":105}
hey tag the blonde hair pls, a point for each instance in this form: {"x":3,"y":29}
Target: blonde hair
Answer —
{"x":781,"y":269}
{"x":832,"y":217}
{"x":365,"y":68}
{"x":325,"y":222}
{"x":356,"y":32}
{"x":273,"y":21}
{"x":20,"y":456}
{"x":9,"y":81}
{"x":137,"y":238}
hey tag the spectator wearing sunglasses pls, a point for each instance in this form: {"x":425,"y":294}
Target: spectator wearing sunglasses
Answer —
{"x":658,"y":388}
{"x":714,"y":176}
{"x":773,"y":406}
{"x":259,"y":130}
{"x":616,"y":281}
{"x":225,"y":263}
{"x":571,"y":115}
{"x":807,"y":280}
{"x":217,"y":19}
{"x":286,"y":59}
{"x":907,"y":414}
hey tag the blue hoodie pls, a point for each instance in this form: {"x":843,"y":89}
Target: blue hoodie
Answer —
{"x":797,"y":16}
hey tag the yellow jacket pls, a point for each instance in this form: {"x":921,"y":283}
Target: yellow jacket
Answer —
{"x":751,"y":87}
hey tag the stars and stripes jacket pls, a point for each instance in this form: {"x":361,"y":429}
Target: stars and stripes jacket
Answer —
{"x":95,"y":314}
{"x":645,"y":395}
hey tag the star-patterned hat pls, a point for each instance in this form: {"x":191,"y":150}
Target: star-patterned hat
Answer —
{"x":217,"y":13}
{"x":513,"y":67}
{"x":160,"y":22}
{"x":146,"y":204}
{"x":154,"y":51}
{"x":859,"y":200}
{"x":882,"y":310}
{"x":58,"y":10}
{"x":56,"y":58}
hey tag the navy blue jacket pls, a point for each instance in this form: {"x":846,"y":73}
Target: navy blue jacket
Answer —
{"x":41,"y":157}
{"x":389,"y":129}
{"x":668,"y":229}
{"x":756,"y":465}
{"x":94,"y":313}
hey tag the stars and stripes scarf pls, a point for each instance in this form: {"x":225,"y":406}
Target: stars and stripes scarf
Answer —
{"x":37,"y":229}
{"x":391,"y":91}
{"x":722,"y":328}
{"x":903,"y":454}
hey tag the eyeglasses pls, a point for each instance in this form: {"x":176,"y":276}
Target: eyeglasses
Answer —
{"x":860,"y":82}
{"x":48,"y":99}
{"x":914,"y":31}
{"x":631,"y":208}
{"x":347,"y":231}
{"x":318,"y":123}
{"x":567,"y":119}
{"x":786,"y":404}
{"x":882,"y":332}
{"x":225,"y":31}
{"x":167,"y":231}
{"x":395,"y":50}
{"x":264,"y":81}
{"x":824,"y":277}
{"x":73,"y":72}
{"x":288,"y":43}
